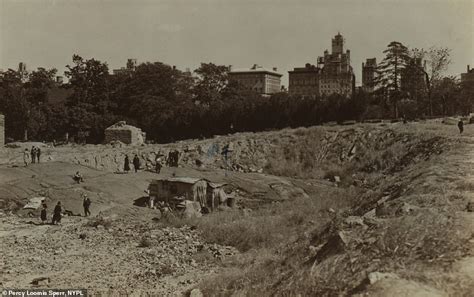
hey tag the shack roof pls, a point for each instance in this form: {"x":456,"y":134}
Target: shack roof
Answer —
{"x":185,"y":180}
{"x":215,"y":185}
{"x":189,"y":180}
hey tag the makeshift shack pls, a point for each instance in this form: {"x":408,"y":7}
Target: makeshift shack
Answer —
{"x":174,"y":190}
{"x":215,"y":195}
{"x":124,"y":133}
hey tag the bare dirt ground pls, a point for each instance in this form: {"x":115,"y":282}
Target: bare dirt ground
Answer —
{"x":406,"y":231}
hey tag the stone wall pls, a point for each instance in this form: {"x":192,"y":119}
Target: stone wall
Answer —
{"x":2,"y":130}
{"x":124,"y":133}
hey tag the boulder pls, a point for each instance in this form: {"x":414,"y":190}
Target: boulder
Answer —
{"x":40,"y":281}
{"x":353,"y":221}
{"x":406,"y":208}
{"x":196,"y":293}
{"x":374,"y":277}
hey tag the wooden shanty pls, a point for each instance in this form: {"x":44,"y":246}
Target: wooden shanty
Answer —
{"x":172,"y":189}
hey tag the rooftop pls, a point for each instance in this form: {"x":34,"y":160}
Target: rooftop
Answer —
{"x":255,"y":69}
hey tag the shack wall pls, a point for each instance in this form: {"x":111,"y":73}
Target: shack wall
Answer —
{"x":163,"y":190}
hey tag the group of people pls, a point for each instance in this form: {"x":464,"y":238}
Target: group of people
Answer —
{"x":32,"y":156}
{"x":136,"y":163}
{"x":56,"y":213}
{"x":58,"y":210}
{"x":172,"y":161}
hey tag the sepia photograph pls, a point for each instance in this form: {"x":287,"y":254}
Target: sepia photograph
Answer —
{"x":195,"y":148}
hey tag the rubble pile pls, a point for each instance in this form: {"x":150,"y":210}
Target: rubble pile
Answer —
{"x":120,"y":256}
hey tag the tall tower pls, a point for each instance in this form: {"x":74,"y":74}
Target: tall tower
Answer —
{"x":337,"y":44}
{"x":21,"y":67}
{"x":369,"y":69}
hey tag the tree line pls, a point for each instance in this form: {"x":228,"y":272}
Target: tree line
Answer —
{"x":170,"y":104}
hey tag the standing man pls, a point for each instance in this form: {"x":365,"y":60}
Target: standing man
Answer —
{"x":461,"y":126}
{"x":57,"y":213}
{"x":136,"y":163}
{"x":86,"y":204}
{"x":33,"y":154}
{"x":38,"y":154}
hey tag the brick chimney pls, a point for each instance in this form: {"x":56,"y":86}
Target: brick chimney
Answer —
{"x":468,"y":68}
{"x":275,"y":69}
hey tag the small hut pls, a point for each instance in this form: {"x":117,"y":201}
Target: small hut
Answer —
{"x":124,"y":133}
{"x":175,"y":189}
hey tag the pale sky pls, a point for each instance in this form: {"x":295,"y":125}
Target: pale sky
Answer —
{"x":272,"y":33}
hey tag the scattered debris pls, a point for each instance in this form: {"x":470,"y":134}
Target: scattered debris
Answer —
{"x":41,"y":281}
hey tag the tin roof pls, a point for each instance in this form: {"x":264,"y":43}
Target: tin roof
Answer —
{"x":215,"y":185}
{"x":189,"y":180}
{"x":185,"y":180}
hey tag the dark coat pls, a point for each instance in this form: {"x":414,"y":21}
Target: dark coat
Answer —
{"x":43,"y":214}
{"x":136,"y":162}
{"x":126,"y":165}
{"x":86,"y":203}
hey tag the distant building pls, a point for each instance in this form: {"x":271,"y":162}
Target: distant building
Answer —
{"x":369,"y":70}
{"x":21,"y":67}
{"x":258,"y":79}
{"x":413,"y":80}
{"x":22,"y":71}
{"x":131,"y":66}
{"x":304,"y":81}
{"x":468,"y":77}
{"x":337,"y":76}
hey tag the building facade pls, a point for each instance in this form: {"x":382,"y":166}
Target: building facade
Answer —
{"x":130,"y":67}
{"x":257,"y":79}
{"x":337,"y":76}
{"x":304,"y":81}
{"x":369,"y":71}
{"x":332,"y":75}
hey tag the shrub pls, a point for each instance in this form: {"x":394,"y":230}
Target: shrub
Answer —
{"x":144,"y":242}
{"x":99,"y":221}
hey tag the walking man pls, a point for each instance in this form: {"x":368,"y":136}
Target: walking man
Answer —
{"x":86,"y":204}
{"x":44,"y":213}
{"x":461,"y":126}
